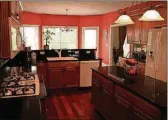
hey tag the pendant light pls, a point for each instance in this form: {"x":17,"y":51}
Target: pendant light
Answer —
{"x":151,"y":15}
{"x":124,"y":20}
{"x":66,"y":29}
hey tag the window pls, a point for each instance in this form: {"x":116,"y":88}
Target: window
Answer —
{"x":91,"y":38}
{"x":31,"y":36}
{"x":62,"y":39}
{"x":14,"y":42}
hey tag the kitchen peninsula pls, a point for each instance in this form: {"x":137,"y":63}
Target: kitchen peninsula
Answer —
{"x":132,"y":97}
{"x":67,"y":71}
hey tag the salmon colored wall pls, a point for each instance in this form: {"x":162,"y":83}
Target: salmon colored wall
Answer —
{"x":103,"y":21}
{"x":61,"y":20}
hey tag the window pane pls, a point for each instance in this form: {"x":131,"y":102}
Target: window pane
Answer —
{"x":90,"y":39}
{"x":62,"y":39}
{"x":30,"y":35}
{"x":14,"y":44}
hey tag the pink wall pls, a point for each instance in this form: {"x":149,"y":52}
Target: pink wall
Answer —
{"x":103,"y":21}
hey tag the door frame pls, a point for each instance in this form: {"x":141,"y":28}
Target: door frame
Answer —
{"x":111,"y":42}
{"x":97,"y":36}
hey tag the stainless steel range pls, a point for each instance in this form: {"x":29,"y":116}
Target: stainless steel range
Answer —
{"x":25,"y":84}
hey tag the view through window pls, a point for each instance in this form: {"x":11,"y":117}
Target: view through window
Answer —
{"x":90,"y":38}
{"x":62,"y":39}
{"x":31,"y":36}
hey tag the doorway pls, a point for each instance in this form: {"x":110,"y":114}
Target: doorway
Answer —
{"x":90,"y":38}
{"x":118,"y":43}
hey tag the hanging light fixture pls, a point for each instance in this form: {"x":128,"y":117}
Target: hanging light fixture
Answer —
{"x":66,"y":29}
{"x":124,"y":19}
{"x":151,"y":15}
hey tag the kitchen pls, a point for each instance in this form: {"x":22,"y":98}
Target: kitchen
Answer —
{"x":59,"y":59}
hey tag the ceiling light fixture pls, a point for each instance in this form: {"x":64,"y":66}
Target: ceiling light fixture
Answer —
{"x":124,"y":20}
{"x":66,"y":29}
{"x":151,"y":15}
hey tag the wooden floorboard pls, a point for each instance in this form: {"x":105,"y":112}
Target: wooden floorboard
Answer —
{"x":70,"y":106}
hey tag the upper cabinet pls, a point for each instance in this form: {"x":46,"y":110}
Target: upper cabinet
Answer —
{"x":137,"y":33}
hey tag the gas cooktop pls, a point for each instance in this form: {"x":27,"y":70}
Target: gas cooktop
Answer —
{"x":19,"y":85}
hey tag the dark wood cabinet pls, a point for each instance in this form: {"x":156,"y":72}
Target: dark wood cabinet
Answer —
{"x":122,"y":108}
{"x":71,"y":76}
{"x":55,"y":76}
{"x":118,"y":103}
{"x":95,"y":93}
{"x":62,"y":74}
{"x":137,"y":114}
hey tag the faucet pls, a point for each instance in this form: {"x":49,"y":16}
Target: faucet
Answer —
{"x":59,"y":52}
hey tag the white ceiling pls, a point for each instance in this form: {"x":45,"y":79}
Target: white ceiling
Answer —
{"x":74,"y":8}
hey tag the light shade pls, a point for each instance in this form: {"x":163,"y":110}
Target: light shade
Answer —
{"x":124,"y":19}
{"x":151,"y":15}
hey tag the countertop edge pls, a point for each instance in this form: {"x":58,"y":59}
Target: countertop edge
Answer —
{"x":130,"y":90}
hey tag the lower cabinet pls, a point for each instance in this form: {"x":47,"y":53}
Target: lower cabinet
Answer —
{"x":55,"y":76}
{"x":70,"y":76}
{"x":122,"y":108}
{"x":95,"y":93}
{"x":120,"y":104}
{"x":63,"y":74}
{"x":137,"y":114}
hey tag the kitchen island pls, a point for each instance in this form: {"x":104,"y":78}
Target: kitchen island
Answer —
{"x":118,"y":96}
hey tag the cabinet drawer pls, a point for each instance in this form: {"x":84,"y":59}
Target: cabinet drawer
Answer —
{"x":123,"y":93}
{"x":69,"y":64}
{"x":53,"y":64}
{"x":146,"y":108}
{"x":107,"y":84}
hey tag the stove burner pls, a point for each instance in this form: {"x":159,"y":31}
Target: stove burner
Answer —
{"x":23,"y":84}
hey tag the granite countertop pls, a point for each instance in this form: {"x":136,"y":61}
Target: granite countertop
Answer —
{"x":150,"y":89}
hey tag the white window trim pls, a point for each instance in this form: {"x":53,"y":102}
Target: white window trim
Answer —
{"x":97,"y":41}
{"x":27,"y":25}
{"x":60,"y":27}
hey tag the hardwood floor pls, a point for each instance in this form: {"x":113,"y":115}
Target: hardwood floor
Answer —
{"x":70,"y":106}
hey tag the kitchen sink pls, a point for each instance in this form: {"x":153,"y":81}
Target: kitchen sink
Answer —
{"x":61,"y":58}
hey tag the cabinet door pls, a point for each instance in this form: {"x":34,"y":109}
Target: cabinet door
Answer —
{"x":55,"y":77}
{"x":95,"y":96}
{"x":108,"y":104}
{"x":137,"y":114}
{"x":123,"y":108}
{"x":137,"y":32}
{"x":130,"y":33}
{"x":144,"y":32}
{"x":71,"y":76}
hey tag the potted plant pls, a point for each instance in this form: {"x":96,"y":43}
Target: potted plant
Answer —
{"x":47,"y":37}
